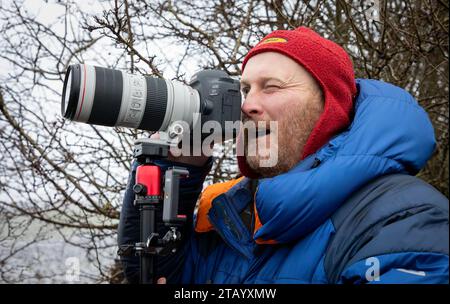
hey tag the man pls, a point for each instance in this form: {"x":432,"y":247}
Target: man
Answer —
{"x":340,"y":206}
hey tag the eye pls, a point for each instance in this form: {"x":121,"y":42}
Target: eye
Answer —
{"x":272,"y":87}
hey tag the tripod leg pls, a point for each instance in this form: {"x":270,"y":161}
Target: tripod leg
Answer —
{"x":147,"y":228}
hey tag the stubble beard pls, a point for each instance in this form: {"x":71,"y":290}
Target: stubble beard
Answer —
{"x":293,"y":132}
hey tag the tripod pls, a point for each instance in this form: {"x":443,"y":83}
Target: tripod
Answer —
{"x":149,"y":196}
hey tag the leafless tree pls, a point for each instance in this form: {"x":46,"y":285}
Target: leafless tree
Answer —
{"x":65,"y":181}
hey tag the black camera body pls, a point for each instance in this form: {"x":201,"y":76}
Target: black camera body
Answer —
{"x":220,"y":97}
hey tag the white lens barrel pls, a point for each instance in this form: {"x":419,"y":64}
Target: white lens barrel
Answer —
{"x":108,"y":97}
{"x":134,"y":98}
{"x":182,"y":103}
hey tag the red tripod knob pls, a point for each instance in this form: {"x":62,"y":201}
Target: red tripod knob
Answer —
{"x":150,"y":177}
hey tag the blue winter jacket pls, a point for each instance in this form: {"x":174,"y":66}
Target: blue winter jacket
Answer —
{"x":351,"y":213}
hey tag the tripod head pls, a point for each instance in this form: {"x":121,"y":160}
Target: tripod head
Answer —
{"x":147,"y":150}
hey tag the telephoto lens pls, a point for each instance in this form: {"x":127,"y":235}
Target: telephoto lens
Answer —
{"x":108,"y":97}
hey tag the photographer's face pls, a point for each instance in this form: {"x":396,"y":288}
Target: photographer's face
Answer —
{"x":276,"y":88}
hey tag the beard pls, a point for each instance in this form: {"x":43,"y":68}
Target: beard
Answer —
{"x":286,"y":143}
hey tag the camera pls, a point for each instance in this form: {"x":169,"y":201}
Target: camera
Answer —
{"x":108,"y":97}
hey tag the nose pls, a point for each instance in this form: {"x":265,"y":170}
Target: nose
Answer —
{"x":251,"y":107}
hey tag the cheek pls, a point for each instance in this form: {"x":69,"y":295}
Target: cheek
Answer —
{"x":281,"y":105}
{"x":273,"y":104}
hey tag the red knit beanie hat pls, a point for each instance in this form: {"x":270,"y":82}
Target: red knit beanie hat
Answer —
{"x":330,"y":65}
